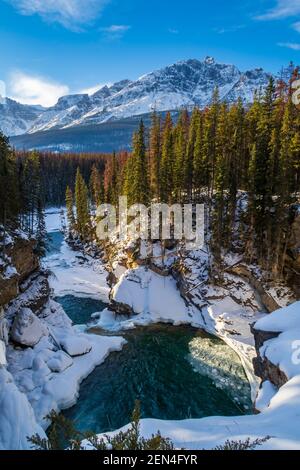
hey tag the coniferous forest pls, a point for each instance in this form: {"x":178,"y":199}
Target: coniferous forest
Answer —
{"x":242,"y":161}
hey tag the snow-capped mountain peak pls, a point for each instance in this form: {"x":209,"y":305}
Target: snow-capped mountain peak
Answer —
{"x":185,"y":83}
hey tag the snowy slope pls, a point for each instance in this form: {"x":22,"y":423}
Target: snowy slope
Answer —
{"x":16,"y":118}
{"x":184,"y":84}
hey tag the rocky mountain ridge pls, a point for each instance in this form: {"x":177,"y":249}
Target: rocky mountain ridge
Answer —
{"x":184,"y":84}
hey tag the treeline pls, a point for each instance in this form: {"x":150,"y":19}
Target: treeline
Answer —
{"x":21,"y":194}
{"x":242,"y":161}
{"x":58,"y":170}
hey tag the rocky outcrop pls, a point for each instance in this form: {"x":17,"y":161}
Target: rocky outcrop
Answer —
{"x":119,"y":307}
{"x":292,"y":261}
{"x":24,"y":257}
{"x":9,"y":289}
{"x":266,"y":299}
{"x":33,"y":294}
{"x":263,"y":367}
{"x":27,"y":329}
{"x":18,"y":261}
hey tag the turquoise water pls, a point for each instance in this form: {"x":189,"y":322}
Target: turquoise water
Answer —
{"x":80,"y":309}
{"x":54,"y":243}
{"x":175,"y":372}
{"x":155,"y":368}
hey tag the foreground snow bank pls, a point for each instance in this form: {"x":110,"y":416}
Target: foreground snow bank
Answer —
{"x":35,"y":369}
{"x":45,"y":377}
{"x":157,"y":299}
{"x":17,"y":416}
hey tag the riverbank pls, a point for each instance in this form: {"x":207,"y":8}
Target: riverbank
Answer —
{"x":45,"y":358}
{"x":47,"y":379}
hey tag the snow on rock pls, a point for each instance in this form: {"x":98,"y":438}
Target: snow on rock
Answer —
{"x":49,"y":377}
{"x":186,"y":83}
{"x":4,"y":329}
{"x":27,"y":328}
{"x":76,"y":345}
{"x":17,"y":417}
{"x":283,"y":319}
{"x":145,"y":292}
{"x":59,"y":362}
{"x":265,"y":395}
{"x":284,"y":352}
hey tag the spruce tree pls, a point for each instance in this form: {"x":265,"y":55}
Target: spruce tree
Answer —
{"x":167,"y":161}
{"x":139,"y":177}
{"x":82,"y":208}
{"x":155,"y":155}
{"x":70,"y":209}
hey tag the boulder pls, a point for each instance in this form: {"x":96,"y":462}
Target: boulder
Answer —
{"x":27,"y":328}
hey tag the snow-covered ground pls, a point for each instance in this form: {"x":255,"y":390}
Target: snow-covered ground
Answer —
{"x":156,"y":299}
{"x":74,"y":273}
{"x":280,"y":416}
{"x":50,"y":377}
{"x":47,"y":375}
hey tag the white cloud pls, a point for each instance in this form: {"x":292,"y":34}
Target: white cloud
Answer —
{"x":30,"y":89}
{"x":173,"y":31}
{"x":93,"y":89}
{"x":69,"y":13}
{"x":2,"y":90}
{"x":230,"y":29}
{"x":282,"y":9}
{"x":115,"y":31}
{"x":116,"y":28}
{"x":290,"y":45}
{"x":296,"y":26}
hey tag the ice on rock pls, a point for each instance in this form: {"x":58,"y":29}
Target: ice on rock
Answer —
{"x":107,"y":319}
{"x":75,"y":345}
{"x":59,"y":362}
{"x":4,"y":328}
{"x":27,"y":329}
{"x":2,"y":354}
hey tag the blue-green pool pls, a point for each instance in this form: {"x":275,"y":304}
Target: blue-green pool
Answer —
{"x":155,"y":367}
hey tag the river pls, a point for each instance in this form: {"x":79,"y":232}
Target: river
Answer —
{"x":175,"y":372}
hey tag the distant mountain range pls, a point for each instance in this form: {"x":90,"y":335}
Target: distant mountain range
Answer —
{"x":184,"y":84}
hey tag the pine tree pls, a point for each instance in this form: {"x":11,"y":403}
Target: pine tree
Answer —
{"x":9,"y":190}
{"x":199,"y":169}
{"x":82,"y":208}
{"x":189,"y":155}
{"x":41,"y":232}
{"x":70,"y":209}
{"x":155,"y":155}
{"x":139,"y":177}
{"x":96,"y":187}
{"x":167,"y":161}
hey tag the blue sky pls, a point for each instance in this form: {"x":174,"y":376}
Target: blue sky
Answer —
{"x":54,"y":47}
